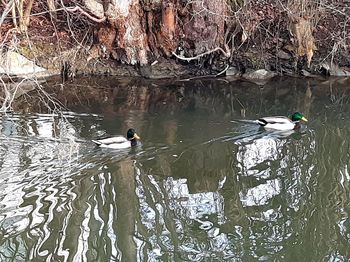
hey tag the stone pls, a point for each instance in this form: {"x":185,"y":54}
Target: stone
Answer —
{"x":94,"y":7}
{"x":283,"y":55}
{"x":260,"y":77}
{"x":13,"y":63}
{"x":307,"y":73}
{"x":233,"y":71}
{"x":334,"y":70}
{"x":260,"y":74}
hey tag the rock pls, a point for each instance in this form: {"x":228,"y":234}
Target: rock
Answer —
{"x":283,"y":55}
{"x":260,"y":74}
{"x":146,"y":71}
{"x":13,"y":63}
{"x":307,"y":73}
{"x":260,"y":77}
{"x":233,"y":71}
{"x":94,"y":7}
{"x":334,"y":70}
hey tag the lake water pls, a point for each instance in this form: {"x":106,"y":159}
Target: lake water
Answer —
{"x":200,"y":188}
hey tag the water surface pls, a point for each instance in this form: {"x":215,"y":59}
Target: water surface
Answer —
{"x":202,"y":187}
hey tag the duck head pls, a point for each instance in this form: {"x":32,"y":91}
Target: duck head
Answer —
{"x":297,"y":116}
{"x":132,"y":136}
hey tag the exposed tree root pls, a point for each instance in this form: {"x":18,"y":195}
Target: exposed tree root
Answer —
{"x":188,"y":59}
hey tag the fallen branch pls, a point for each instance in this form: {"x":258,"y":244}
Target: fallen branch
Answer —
{"x":226,"y":54}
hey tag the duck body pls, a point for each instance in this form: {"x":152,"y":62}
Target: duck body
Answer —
{"x":281,"y":122}
{"x":277,"y":123}
{"x":119,"y":142}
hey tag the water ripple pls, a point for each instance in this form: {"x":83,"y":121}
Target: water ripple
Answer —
{"x":227,"y":193}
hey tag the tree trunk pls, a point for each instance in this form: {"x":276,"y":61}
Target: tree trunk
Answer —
{"x":127,"y":18}
{"x":167,"y":37}
{"x":23,"y":14}
{"x":205,"y":22}
{"x":138,"y":30}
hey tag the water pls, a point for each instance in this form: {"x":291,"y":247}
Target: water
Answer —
{"x":200,"y":188}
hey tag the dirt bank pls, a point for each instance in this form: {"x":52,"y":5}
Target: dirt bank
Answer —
{"x":157,"y":39}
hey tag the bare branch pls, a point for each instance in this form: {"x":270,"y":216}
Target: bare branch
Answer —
{"x":7,"y":10}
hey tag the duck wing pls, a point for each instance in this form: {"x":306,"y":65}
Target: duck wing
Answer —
{"x":276,"y":123}
{"x":122,"y":145}
{"x":278,"y":120}
{"x":111,"y":140}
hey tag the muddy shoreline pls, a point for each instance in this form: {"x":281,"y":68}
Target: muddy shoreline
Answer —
{"x":169,"y":39}
{"x":77,"y":61}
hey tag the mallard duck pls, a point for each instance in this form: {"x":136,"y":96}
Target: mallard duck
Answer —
{"x":282,"y":122}
{"x":119,"y":142}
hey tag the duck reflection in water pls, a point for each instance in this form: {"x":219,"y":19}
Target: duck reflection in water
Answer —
{"x":271,"y":126}
{"x":261,"y":155}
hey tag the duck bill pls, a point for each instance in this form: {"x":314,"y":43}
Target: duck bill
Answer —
{"x":304,"y":119}
{"x":136,"y":137}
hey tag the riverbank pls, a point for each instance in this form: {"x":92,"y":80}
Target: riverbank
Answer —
{"x":294,"y":38}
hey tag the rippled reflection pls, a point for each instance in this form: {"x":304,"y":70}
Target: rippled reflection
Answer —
{"x":200,"y":187}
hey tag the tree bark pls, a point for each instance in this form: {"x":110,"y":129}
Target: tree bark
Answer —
{"x":137,"y":30}
{"x":205,"y":22}
{"x":127,"y":17}
{"x":167,"y":35}
{"x":26,"y":15}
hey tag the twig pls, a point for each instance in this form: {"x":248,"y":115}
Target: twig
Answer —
{"x":9,"y":95}
{"x":333,"y":9}
{"x":7,"y":10}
